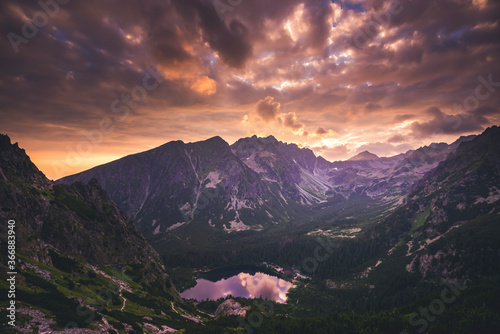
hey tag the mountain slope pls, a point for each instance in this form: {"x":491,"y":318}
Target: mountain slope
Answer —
{"x":448,"y":228}
{"x":76,"y":220}
{"x":300,"y":175}
{"x":80,"y":261}
{"x":445,"y":229}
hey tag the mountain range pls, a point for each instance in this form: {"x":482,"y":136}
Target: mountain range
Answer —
{"x":106,"y":249}
{"x":254,"y":184}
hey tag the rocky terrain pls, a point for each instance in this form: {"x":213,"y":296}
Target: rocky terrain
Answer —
{"x":254,"y":184}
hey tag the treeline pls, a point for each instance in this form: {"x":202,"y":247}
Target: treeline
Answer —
{"x":318,"y":259}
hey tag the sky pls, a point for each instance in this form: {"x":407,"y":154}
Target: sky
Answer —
{"x":83,"y":83}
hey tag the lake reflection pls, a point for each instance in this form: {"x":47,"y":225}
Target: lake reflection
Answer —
{"x":242,"y":285}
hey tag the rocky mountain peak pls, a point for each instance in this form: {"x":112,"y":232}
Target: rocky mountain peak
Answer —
{"x":4,"y":141}
{"x":364,"y":156}
{"x":216,"y":140}
{"x":16,"y":165}
{"x":271,"y":139}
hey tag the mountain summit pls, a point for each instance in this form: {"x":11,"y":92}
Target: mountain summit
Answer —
{"x":364,"y":156}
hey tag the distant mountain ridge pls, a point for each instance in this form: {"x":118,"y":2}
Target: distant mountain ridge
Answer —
{"x":250,"y":185}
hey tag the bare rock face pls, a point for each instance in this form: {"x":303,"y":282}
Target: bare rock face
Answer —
{"x":231,"y":307}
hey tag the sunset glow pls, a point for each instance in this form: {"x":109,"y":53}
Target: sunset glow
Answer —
{"x":104,"y":79}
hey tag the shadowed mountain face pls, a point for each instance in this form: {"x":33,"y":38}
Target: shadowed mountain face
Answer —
{"x":448,"y":228}
{"x":253,"y":184}
{"x":77,"y":220}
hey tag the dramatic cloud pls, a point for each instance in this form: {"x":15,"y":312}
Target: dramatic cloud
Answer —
{"x":125,"y":76}
{"x":231,"y":41}
{"x":441,"y":123}
{"x":268,"y":109}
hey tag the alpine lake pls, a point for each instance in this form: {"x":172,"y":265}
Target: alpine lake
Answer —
{"x":241,"y":281}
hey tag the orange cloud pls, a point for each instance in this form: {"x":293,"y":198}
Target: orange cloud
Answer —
{"x":205,"y":86}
